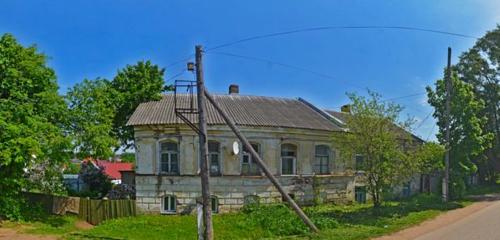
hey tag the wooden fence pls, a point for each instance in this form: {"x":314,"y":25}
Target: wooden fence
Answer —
{"x":53,"y":204}
{"x":97,"y":211}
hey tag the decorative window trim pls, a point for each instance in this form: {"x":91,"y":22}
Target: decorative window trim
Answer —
{"x":162,"y":207}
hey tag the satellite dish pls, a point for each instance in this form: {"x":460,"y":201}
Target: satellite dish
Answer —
{"x":236,"y":148}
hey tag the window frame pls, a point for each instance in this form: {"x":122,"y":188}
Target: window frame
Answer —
{"x":251,"y":161}
{"x":169,"y":154}
{"x":293,"y":158}
{"x":214,"y":199}
{"x":171,"y":197}
{"x":219,"y":160}
{"x":356,"y":165}
{"x":318,"y":166}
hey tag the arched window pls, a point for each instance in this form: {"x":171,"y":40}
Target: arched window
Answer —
{"x":248,"y":166}
{"x":214,"y":157}
{"x":169,"y":158}
{"x":214,"y":201}
{"x":322,"y":159}
{"x":169,"y":204}
{"x":288,"y":159}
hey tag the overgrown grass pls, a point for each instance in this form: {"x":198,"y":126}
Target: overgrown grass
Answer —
{"x":278,"y":221}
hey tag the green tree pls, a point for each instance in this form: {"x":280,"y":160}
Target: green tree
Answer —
{"x":480,"y":67}
{"x":430,"y":158}
{"x":92,"y":109}
{"x":376,"y":134}
{"x":467,"y":139}
{"x":31,"y":118}
{"x":134,"y":84}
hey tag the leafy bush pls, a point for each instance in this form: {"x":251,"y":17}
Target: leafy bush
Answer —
{"x":97,"y":181}
{"x":122,"y":191}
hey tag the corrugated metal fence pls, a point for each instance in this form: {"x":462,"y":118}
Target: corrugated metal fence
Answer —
{"x":97,"y":211}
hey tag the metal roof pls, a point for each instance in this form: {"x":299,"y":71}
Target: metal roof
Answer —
{"x":244,"y":110}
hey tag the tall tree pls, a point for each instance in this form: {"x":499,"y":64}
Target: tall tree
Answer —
{"x":31,"y":118}
{"x":92,"y":109}
{"x":480,"y":66}
{"x":377,"y":136}
{"x":134,"y":84}
{"x":467,"y":139}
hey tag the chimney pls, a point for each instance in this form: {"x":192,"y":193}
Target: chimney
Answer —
{"x":346,"y":108}
{"x":234,"y":89}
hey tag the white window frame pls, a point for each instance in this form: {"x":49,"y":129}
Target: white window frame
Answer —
{"x":294,"y":160}
{"x":168,"y":211}
{"x":160,"y":153}
{"x":251,"y":160}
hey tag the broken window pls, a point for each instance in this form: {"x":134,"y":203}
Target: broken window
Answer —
{"x":288,"y":159}
{"x":248,"y":165}
{"x":214,"y":157}
{"x":322,"y":160}
{"x":169,"y":158}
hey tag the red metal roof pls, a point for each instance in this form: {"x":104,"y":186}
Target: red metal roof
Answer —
{"x":112,"y":169}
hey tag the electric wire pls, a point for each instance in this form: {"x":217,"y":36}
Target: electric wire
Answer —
{"x":313,"y":29}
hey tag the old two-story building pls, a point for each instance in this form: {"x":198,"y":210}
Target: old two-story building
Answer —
{"x":292,"y":136}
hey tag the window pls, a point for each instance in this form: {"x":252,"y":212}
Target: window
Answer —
{"x":248,"y":165}
{"x":322,"y":160}
{"x":360,"y":194}
{"x":169,"y":204}
{"x":215,"y":204}
{"x":214,"y":157}
{"x":288,"y":159}
{"x":169,"y":157}
{"x":360,"y":161}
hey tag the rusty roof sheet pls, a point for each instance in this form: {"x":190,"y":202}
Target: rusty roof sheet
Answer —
{"x":244,"y":110}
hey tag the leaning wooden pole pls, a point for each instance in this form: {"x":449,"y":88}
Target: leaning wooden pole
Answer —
{"x":261,"y":163}
{"x":202,"y":126}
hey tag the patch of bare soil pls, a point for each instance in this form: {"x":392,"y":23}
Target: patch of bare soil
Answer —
{"x":13,"y":234}
{"x":83,"y":225}
{"x":442,"y":220}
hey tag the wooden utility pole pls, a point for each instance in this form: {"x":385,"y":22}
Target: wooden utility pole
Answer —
{"x":446,"y":179}
{"x":202,"y":126}
{"x":262,"y":165}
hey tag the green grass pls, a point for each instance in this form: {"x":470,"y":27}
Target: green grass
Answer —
{"x":48,"y":225}
{"x":277,"y":221}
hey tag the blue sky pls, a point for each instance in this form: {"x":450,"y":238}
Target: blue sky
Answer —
{"x":89,"y":39}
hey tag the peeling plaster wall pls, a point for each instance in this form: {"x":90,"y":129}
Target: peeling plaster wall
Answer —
{"x":230,"y":188}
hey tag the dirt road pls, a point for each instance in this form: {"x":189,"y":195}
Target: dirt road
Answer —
{"x":479,"y":221}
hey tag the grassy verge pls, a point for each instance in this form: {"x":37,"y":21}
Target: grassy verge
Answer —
{"x":47,"y":225}
{"x":277,"y":221}
{"x":484,"y":189}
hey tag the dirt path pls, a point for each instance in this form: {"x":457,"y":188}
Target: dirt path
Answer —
{"x":444,"y":220}
{"x":9,"y":233}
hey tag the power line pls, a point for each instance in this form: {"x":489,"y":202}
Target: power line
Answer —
{"x":258,"y":59}
{"x":313,"y":29}
{"x":423,"y":121}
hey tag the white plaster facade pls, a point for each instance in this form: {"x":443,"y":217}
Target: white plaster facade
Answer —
{"x":231,"y":188}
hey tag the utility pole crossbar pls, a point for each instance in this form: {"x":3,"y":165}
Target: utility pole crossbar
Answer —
{"x":260,"y":162}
